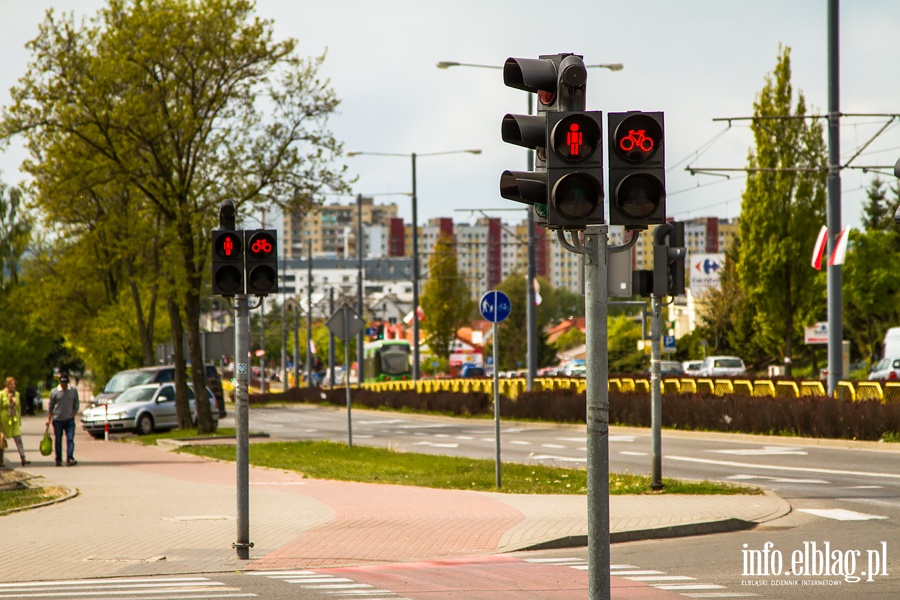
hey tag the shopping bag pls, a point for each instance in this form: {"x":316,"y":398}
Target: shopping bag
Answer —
{"x":46,"y":442}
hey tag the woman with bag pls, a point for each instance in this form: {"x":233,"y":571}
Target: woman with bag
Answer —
{"x":11,"y":420}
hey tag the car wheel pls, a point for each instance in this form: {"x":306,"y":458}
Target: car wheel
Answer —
{"x":144,"y":425}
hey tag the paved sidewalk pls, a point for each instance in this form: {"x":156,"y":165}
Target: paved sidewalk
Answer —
{"x":146,"y":510}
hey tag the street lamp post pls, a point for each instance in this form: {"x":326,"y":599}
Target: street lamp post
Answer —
{"x":415,"y":239}
{"x":531,"y":273}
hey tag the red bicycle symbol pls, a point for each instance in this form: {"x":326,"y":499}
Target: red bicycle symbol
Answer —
{"x":636,"y":139}
{"x":261,"y":246}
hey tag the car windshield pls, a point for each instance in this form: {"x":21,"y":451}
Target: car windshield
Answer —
{"x":135,"y":394}
{"x":730,"y":363}
{"x":122,"y":381}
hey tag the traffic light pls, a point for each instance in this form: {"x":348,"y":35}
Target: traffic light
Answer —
{"x":380,"y":329}
{"x":262,"y":262}
{"x":575,"y":169}
{"x":668,"y":259}
{"x":637,"y":177}
{"x":559,"y":81}
{"x":227,"y":263}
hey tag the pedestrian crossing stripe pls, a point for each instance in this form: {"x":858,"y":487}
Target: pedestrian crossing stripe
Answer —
{"x":148,"y":588}
{"x":336,"y":587}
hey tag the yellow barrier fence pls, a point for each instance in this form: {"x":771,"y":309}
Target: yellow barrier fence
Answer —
{"x":869,"y":391}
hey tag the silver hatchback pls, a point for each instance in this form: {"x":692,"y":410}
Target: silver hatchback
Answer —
{"x":887,"y":369}
{"x":142,"y":409}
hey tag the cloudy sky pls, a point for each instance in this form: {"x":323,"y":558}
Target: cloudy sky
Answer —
{"x":694,"y":59}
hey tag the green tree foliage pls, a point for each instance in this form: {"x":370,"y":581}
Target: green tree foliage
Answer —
{"x":871,"y":274}
{"x":445,"y":299}
{"x":623,"y":335}
{"x":572,"y":338}
{"x":176,"y":105}
{"x":782,"y":209}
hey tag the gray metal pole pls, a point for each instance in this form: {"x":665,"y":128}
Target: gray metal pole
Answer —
{"x":360,"y":340}
{"x":655,"y":393}
{"x":241,"y":423}
{"x":283,"y":330}
{"x":531,"y":297}
{"x":835,"y":318}
{"x":415,"y":254}
{"x":309,"y":314}
{"x":331,"y":341}
{"x":496,"y":400}
{"x":262,"y":345}
{"x":297,"y":344}
{"x":597,"y":360}
{"x":346,"y":315}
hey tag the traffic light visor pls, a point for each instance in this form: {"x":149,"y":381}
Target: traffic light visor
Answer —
{"x":638,"y":138}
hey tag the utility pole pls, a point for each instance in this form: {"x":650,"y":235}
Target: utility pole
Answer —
{"x":360,"y":340}
{"x":309,"y":281}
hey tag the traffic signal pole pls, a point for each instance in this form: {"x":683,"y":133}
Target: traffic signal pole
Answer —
{"x":655,"y":393}
{"x":597,"y":392}
{"x":241,"y":423}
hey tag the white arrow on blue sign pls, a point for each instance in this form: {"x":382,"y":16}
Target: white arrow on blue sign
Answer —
{"x":495,"y":306}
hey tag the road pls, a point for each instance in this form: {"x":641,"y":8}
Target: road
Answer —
{"x":844,"y":495}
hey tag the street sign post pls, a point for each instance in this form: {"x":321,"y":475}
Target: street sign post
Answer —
{"x":669,"y":343}
{"x":495,"y":307}
{"x":345,"y":323}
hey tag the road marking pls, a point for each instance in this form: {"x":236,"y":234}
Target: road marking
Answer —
{"x":520,"y":442}
{"x":639,"y":572}
{"x":632,"y":453}
{"x":662,"y":578}
{"x":174,"y":588}
{"x":689,"y":586}
{"x":764,"y":451}
{"x":427,"y":426}
{"x":559,"y":458}
{"x":464,"y":437}
{"x":382,"y":422}
{"x":437,"y":444}
{"x":723,"y":595}
{"x":741,"y":465}
{"x":865,"y":487}
{"x":777,"y":479}
{"x":840,"y":514}
{"x":555,"y":446}
{"x":621,"y":438}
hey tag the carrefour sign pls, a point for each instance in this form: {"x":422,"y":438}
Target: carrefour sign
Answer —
{"x":705,"y":270}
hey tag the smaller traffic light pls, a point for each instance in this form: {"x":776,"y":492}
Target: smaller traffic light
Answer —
{"x":668,"y":259}
{"x":380,"y":334}
{"x":227,"y":263}
{"x":262,"y":262}
{"x":575,"y":169}
{"x":637,"y":177}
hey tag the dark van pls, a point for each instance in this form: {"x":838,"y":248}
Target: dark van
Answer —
{"x":123,"y":380}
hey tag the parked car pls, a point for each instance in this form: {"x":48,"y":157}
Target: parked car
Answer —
{"x":692,"y":367}
{"x":887,"y":369}
{"x":472,"y":371}
{"x":142,"y":409}
{"x":722,"y":366}
{"x":128,"y":378}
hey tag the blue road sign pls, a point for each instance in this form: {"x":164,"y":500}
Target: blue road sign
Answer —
{"x":668,"y":342}
{"x":495,"y":306}
{"x":371,"y":331}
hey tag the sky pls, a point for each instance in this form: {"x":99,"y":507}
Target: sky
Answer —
{"x":696,"y":60}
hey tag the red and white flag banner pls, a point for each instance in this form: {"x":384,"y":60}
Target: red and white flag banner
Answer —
{"x":837,"y":255}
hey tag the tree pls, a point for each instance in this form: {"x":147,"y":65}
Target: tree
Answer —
{"x":445,"y":299}
{"x":871,"y":274}
{"x":624,"y":334}
{"x":513,"y":332}
{"x":184,"y":103}
{"x":782,"y":209}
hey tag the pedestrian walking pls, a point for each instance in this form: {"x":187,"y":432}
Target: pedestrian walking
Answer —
{"x":11,"y":420}
{"x":61,"y":411}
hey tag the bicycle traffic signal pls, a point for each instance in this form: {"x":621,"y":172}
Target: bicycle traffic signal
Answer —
{"x":262,"y":262}
{"x":637,"y":177}
{"x":227,"y":262}
{"x":575,"y":169}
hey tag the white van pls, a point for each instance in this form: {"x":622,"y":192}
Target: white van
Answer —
{"x":892,"y":342}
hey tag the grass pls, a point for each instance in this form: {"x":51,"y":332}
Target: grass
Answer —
{"x":891,"y":437}
{"x":14,"y":498}
{"x":179,"y":434}
{"x":337,"y":461}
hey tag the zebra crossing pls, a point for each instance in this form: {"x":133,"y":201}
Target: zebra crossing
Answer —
{"x":338,"y":588}
{"x":686,"y":586}
{"x":117,"y":588}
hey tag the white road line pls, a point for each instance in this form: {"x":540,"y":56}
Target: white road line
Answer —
{"x":520,"y":442}
{"x":632,"y":453}
{"x":840,"y":514}
{"x":764,"y":451}
{"x":278,"y":573}
{"x":621,"y":438}
{"x":437,"y":444}
{"x":865,"y":487}
{"x":689,"y":586}
{"x":67,"y":582}
{"x":663,"y":578}
{"x":321,"y":579}
{"x":337,"y":586}
{"x":619,"y":567}
{"x":418,"y":426}
{"x":723,"y":595}
{"x":555,"y":446}
{"x":170,"y":594}
{"x":638,"y":572}
{"x":779,"y":479}
{"x":740,"y":465}
{"x":464,"y":437}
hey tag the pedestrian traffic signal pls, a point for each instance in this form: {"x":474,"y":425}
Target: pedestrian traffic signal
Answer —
{"x":380,"y":330}
{"x":575,"y":169}
{"x":637,"y":178}
{"x":227,"y":263}
{"x":262,"y":262}
{"x":668,"y":259}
